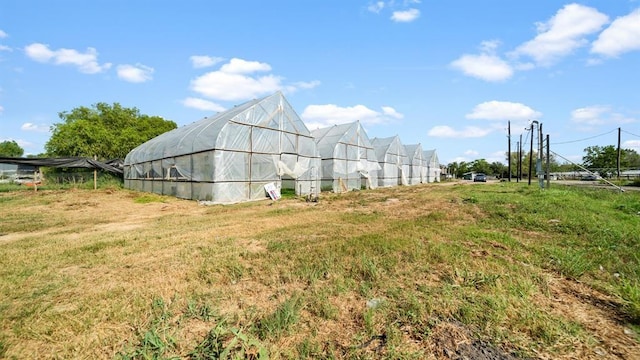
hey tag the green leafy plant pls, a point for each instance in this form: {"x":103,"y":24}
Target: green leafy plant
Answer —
{"x":228,"y":343}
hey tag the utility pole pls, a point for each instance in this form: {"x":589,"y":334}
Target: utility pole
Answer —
{"x":618,"y":159}
{"x":539,"y":161}
{"x":531,"y":154}
{"x":520,"y":160}
{"x":509,"y":152}
{"x":547,"y":169}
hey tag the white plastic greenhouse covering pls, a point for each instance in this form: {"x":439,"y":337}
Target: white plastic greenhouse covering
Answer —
{"x":393,"y":159}
{"x":348,"y":159}
{"x":416,"y":164}
{"x":231,"y":156}
{"x":432,"y":166}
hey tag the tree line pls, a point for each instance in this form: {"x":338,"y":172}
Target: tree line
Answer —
{"x":110,"y":131}
{"x":601,"y":159}
{"x":103,"y":131}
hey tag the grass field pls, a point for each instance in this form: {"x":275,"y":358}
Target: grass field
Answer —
{"x":422,"y":272}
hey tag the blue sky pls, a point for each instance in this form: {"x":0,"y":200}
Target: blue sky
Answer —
{"x":447,"y":74}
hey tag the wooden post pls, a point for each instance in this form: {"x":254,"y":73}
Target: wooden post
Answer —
{"x":618,"y":157}
{"x":548,"y":163}
{"x":95,"y":175}
{"x":509,"y":149}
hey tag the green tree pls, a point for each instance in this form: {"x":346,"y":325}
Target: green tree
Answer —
{"x":604,"y":159}
{"x":106,"y":131}
{"x":10,"y":148}
{"x":500,"y":169}
{"x":480,"y":166}
{"x":458,"y":168}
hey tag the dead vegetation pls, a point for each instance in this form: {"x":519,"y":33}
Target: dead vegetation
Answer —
{"x":94,"y":274}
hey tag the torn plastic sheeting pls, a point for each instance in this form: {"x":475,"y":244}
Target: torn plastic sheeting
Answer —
{"x":297,"y":171}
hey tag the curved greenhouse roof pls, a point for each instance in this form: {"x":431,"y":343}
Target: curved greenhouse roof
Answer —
{"x":230,"y":156}
{"x":348,"y":159}
{"x":393,"y":159}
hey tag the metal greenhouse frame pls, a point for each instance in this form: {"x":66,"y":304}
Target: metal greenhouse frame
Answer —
{"x":417,"y":164}
{"x":231,"y":156}
{"x":348,"y":159}
{"x":432,"y":166}
{"x":393,"y":160}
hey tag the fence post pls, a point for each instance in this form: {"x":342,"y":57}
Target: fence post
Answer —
{"x":95,"y":175}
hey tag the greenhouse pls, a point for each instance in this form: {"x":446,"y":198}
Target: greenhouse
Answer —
{"x":231,"y":156}
{"x":348,"y":159}
{"x":393,"y":161}
{"x":416,"y":164}
{"x":432,"y":167}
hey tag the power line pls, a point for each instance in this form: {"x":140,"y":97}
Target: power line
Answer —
{"x":630,"y":133}
{"x":527,"y":137}
{"x":589,"y":138}
{"x":589,"y":171}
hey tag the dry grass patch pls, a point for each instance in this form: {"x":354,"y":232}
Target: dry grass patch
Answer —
{"x":409,"y":272}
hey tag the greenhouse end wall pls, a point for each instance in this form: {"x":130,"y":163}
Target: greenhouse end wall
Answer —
{"x":231,"y":156}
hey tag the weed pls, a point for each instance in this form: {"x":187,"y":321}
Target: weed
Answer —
{"x":281,"y":320}
{"x":156,"y":341}
{"x":630,"y":293}
{"x":309,"y":349}
{"x":202,"y":311}
{"x":234,"y":270}
{"x":3,"y":347}
{"x":228,"y":343}
{"x":571,"y":263}
{"x":319,"y":305}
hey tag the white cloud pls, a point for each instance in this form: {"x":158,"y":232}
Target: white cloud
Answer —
{"x":406,"y":15}
{"x":485,"y":67}
{"x":202,"y":104}
{"x":137,"y":73}
{"x":5,"y":48}
{"x":39,"y":52}
{"x":1,"y":109}
{"x":86,"y":62}
{"x":595,"y":115}
{"x":631,"y":144}
{"x":307,"y":85}
{"x":622,"y":36}
{"x":503,"y":110}
{"x":458,"y":159}
{"x":319,"y":116}
{"x":591,"y":115}
{"x":3,"y":34}
{"x":471,"y":153}
{"x":202,"y":61}
{"x":240,"y":66}
{"x":489,"y":46}
{"x":235,"y":81}
{"x":389,"y":111}
{"x":468,"y":132}
{"x":376,"y":7}
{"x":562,"y":34}
{"x":229,"y":87}
{"x":35,"y":127}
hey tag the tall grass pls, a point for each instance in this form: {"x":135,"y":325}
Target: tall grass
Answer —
{"x":367,"y":274}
